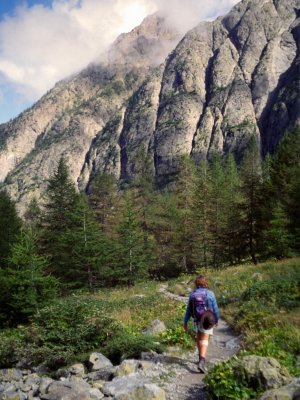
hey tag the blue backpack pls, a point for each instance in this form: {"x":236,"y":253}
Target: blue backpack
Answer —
{"x":199,"y":304}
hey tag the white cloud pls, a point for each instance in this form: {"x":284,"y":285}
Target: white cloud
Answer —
{"x":39,"y":45}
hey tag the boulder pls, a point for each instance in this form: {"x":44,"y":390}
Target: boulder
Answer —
{"x":262,"y":373}
{"x":287,"y":392}
{"x":155,"y":327}
{"x":66,"y":390}
{"x":77,"y":369}
{"x":98,"y":361}
{"x":133,"y":388}
{"x":104,"y":374}
{"x":11,"y":374}
{"x":127,"y":367}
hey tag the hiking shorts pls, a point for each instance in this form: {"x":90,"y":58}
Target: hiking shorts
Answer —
{"x":199,"y":329}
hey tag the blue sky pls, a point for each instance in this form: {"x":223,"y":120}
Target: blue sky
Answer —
{"x":45,"y":41}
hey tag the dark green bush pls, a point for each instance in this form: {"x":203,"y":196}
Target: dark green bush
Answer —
{"x":128,"y":345}
{"x":223,"y":384}
{"x":61,"y":332}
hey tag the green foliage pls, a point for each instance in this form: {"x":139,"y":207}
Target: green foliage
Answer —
{"x":60,"y":332}
{"x":10,"y":225}
{"x":24,"y":286}
{"x":223,"y":384}
{"x":175,"y":336}
{"x":129,"y":345}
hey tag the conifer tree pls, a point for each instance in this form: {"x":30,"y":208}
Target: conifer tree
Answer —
{"x":88,"y":250}
{"x":24,"y":284}
{"x":10,"y":225}
{"x":131,"y":258}
{"x":201,"y":217}
{"x":60,"y":205}
{"x":217,"y":214}
{"x":184,"y":192}
{"x":251,"y":181}
{"x":105,"y":201}
{"x":232,"y":212}
{"x":279,"y":238}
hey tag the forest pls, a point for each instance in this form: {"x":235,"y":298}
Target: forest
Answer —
{"x":213,"y":215}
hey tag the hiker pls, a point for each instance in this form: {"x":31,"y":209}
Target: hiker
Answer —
{"x":203,"y":307}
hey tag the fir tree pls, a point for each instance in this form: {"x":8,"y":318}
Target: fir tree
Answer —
{"x":279,"y":238}
{"x":24,"y":284}
{"x":10,"y":225}
{"x":131,"y":258}
{"x":251,"y":181}
{"x":201,"y":217}
{"x":184,"y":192}
{"x":61,"y":203}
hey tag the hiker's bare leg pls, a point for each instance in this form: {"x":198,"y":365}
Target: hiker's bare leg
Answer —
{"x":202,"y":343}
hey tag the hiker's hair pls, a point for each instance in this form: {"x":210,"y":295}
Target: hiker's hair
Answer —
{"x":201,"y":282}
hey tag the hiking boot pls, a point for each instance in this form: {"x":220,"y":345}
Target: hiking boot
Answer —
{"x":201,"y":366}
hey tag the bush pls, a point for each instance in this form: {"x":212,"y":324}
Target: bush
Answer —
{"x":61,"y":332}
{"x":223,"y":384}
{"x":128,"y":345}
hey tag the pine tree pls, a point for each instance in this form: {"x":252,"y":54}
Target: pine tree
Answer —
{"x":285,"y":172}
{"x":279,"y":238}
{"x":216,"y":212}
{"x":24,"y":284}
{"x":33,"y":215}
{"x":184,"y":192}
{"x":60,"y":205}
{"x":88,"y":249}
{"x":251,"y":181}
{"x":105,"y":201}
{"x":131,"y":258}
{"x":10,"y":225}
{"x":201,"y":217}
{"x":232,"y":212}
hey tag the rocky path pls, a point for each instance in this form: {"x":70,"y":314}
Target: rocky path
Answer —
{"x":187,"y":383}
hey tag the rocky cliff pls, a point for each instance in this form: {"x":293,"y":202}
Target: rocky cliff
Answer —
{"x":223,"y":82}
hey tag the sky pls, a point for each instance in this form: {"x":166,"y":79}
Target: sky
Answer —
{"x":44,"y":41}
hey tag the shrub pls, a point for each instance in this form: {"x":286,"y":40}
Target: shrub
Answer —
{"x":223,"y":384}
{"x":128,"y":345}
{"x":62,"y":331}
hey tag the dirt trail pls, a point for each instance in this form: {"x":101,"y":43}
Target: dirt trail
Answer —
{"x":187,"y":383}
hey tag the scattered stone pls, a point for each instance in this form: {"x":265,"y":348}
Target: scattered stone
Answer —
{"x":11,"y":374}
{"x":257,"y":277}
{"x":104,"y":374}
{"x":133,"y":388}
{"x":77,"y":369}
{"x":127,"y":367}
{"x":287,"y":392}
{"x":262,"y":372}
{"x":155,"y":327}
{"x":98,"y":361}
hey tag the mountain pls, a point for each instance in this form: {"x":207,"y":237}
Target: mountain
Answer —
{"x":207,"y":93}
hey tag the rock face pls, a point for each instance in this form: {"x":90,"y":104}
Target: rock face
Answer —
{"x":224,"y":82}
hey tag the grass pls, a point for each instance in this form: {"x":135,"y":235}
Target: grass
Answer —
{"x":260,"y":301}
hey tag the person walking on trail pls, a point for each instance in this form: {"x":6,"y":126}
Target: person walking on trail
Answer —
{"x":203,"y":307}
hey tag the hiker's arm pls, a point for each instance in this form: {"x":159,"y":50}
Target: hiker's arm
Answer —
{"x":188,"y":314}
{"x":215,"y":308}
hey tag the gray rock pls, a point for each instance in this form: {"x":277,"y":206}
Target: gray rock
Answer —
{"x":127,"y":367}
{"x":234,"y":343}
{"x":98,"y":361}
{"x":77,"y":369}
{"x":104,"y":374}
{"x":67,"y":391}
{"x":287,"y":392}
{"x":262,"y":372}
{"x":133,"y":388}
{"x":221,"y":85}
{"x":12,"y":374}
{"x":155,"y":327}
